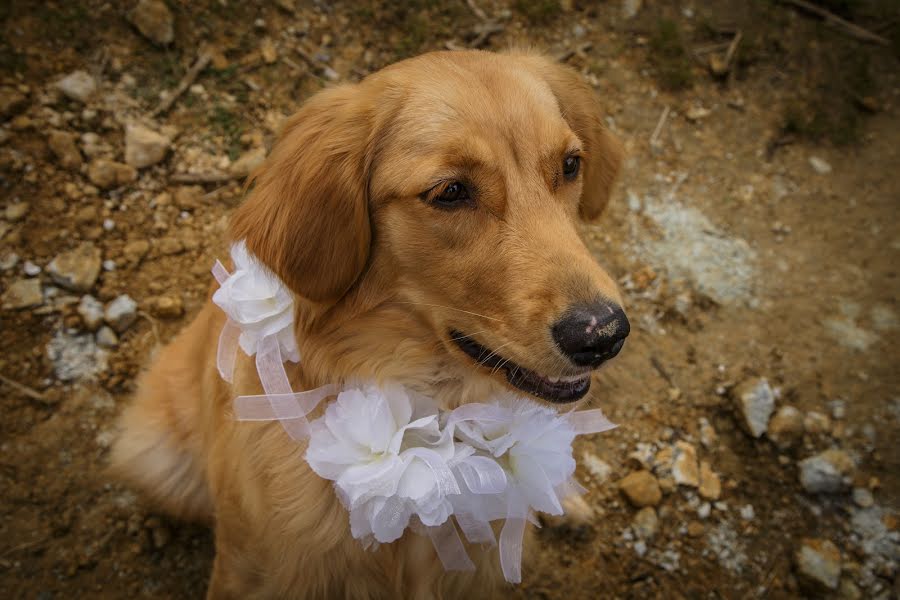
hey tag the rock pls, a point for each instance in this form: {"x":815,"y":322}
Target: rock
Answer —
{"x":11,"y":101}
{"x":818,"y":563}
{"x":684,"y":465}
{"x":645,"y":523}
{"x":747,"y":512}
{"x":710,"y":484}
{"x":828,"y":472}
{"x":189,"y":197}
{"x":786,"y":427}
{"x":169,"y":246}
{"x":248,"y":161}
{"x":76,"y":357}
{"x":819,"y":165}
{"x":77,"y":85}
{"x":136,"y":250}
{"x":91,"y":311}
{"x":109,"y":174}
{"x":695,"y":529}
{"x":31,"y":269}
{"x":599,"y":469}
{"x":107,"y":338}
{"x":8,"y":261}
{"x":154,"y":20}
{"x":62,"y":143}
{"x":16,"y":211}
{"x":862,"y":497}
{"x":268,"y":51}
{"x":816,"y":423}
{"x":76,"y":269}
{"x":641,"y":489}
{"x":121,"y":313}
{"x":697,"y":113}
{"x":23,"y":294}
{"x":849,"y":591}
{"x":167,"y":307}
{"x":630,"y":8}
{"x":144,"y":147}
{"x":708,"y":435}
{"x":755,"y":403}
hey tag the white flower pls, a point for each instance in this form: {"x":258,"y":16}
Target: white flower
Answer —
{"x":259,"y":303}
{"x":387,"y":458}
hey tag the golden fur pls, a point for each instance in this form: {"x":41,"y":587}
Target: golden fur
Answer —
{"x":380,"y":277}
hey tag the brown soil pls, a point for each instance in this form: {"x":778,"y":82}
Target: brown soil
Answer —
{"x":738,"y":260}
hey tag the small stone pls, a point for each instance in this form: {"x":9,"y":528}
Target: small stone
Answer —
{"x":31,"y":269}
{"x":704,"y":510}
{"x":819,"y":165}
{"x":268,"y":51}
{"x":599,"y":469}
{"x":109,"y":174}
{"x":23,"y":293}
{"x":849,"y":591}
{"x":167,"y":307}
{"x":708,"y":435}
{"x":748,"y":513}
{"x":77,"y":85}
{"x":695,"y":529}
{"x":11,"y":101}
{"x":819,"y":563}
{"x":816,"y":423}
{"x":717,"y":65}
{"x":755,"y":403}
{"x":91,"y":311}
{"x":828,"y":472}
{"x":786,"y":427}
{"x":144,"y":147}
{"x":641,"y":488}
{"x":62,"y":143}
{"x":16,"y":211}
{"x":684,"y":465}
{"x":630,"y":8}
{"x":136,"y":250}
{"x":697,"y":113}
{"x":169,"y":246}
{"x":107,"y":338}
{"x":8,"y":261}
{"x":109,"y":265}
{"x":710,"y":484}
{"x":121,"y":313}
{"x":189,"y":197}
{"x":154,"y":20}
{"x":645,"y":523}
{"x":248,"y":161}
{"x":862,"y":497}
{"x":76,"y":269}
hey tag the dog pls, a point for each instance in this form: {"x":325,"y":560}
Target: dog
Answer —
{"x":425,"y":220}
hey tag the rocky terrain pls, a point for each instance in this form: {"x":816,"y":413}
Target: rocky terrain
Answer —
{"x":754,"y":234}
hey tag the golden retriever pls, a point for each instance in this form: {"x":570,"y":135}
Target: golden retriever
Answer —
{"x":426,"y":221}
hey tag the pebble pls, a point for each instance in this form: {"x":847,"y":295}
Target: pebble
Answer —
{"x":107,"y":174}
{"x":755,"y":403}
{"x":704,"y":510}
{"x":107,"y":338}
{"x":11,"y":101}
{"x":708,"y":436}
{"x":645,"y":523}
{"x":62,"y":143}
{"x":91,"y":311}
{"x":154,"y":20}
{"x":31,"y":269}
{"x":109,"y":265}
{"x":248,"y":161}
{"x":9,"y":260}
{"x":819,"y":563}
{"x":819,"y":165}
{"x":268,"y":51}
{"x":16,"y":211}
{"x":816,"y":423}
{"x":862,"y":497}
{"x":136,"y":250}
{"x":167,"y":307}
{"x":121,"y":313}
{"x":630,"y":8}
{"x":76,"y":269}
{"x":77,"y":85}
{"x":786,"y":427}
{"x":599,"y":469}
{"x":827,"y":472}
{"x":168,"y":246}
{"x":710,"y":484}
{"x":685,"y":470}
{"x":144,"y":147}
{"x":23,"y":293}
{"x":695,"y":529}
{"x":641,"y":488}
{"x":748,"y":513}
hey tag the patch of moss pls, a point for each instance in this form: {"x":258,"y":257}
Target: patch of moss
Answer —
{"x":226,"y":123}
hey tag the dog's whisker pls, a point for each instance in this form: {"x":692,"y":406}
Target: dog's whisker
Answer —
{"x":492,"y":354}
{"x":468,"y":312}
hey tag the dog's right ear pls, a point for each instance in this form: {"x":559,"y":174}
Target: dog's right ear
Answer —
{"x":307,"y":217}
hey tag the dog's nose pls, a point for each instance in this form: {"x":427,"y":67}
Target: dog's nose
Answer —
{"x":591,"y":334}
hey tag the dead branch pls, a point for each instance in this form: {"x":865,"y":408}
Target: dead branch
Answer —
{"x":476,"y":10}
{"x":849,"y":28}
{"x":654,"y":138}
{"x":203,"y":60}
{"x":19,"y":387}
{"x":567,"y":54}
{"x":322,"y":69}
{"x":485,"y":31}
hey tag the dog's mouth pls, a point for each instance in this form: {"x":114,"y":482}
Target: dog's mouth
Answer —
{"x":552,"y":389}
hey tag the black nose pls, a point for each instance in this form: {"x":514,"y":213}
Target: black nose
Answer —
{"x":590,"y":334}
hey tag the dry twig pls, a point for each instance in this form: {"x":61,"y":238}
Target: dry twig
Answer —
{"x":203,"y":60}
{"x":567,"y":54}
{"x":485,"y":31}
{"x":476,"y":10}
{"x":19,"y":387}
{"x":849,"y":28}
{"x":204,"y":177}
{"x":654,"y":138}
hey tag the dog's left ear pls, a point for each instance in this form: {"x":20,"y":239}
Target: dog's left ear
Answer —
{"x":581,"y":109}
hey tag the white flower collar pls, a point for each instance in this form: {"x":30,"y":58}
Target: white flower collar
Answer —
{"x":396,"y":460}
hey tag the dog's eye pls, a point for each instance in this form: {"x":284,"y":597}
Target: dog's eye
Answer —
{"x":451,"y":195}
{"x":571,"y":164}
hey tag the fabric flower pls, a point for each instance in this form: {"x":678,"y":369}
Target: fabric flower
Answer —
{"x":259,"y":303}
{"x":387,"y":458}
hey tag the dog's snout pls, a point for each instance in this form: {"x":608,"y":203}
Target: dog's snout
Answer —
{"x":591,"y":334}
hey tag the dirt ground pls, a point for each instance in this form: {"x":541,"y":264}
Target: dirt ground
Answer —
{"x":754,"y":232}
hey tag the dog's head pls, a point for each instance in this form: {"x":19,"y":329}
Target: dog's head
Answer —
{"x":453,"y":183}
